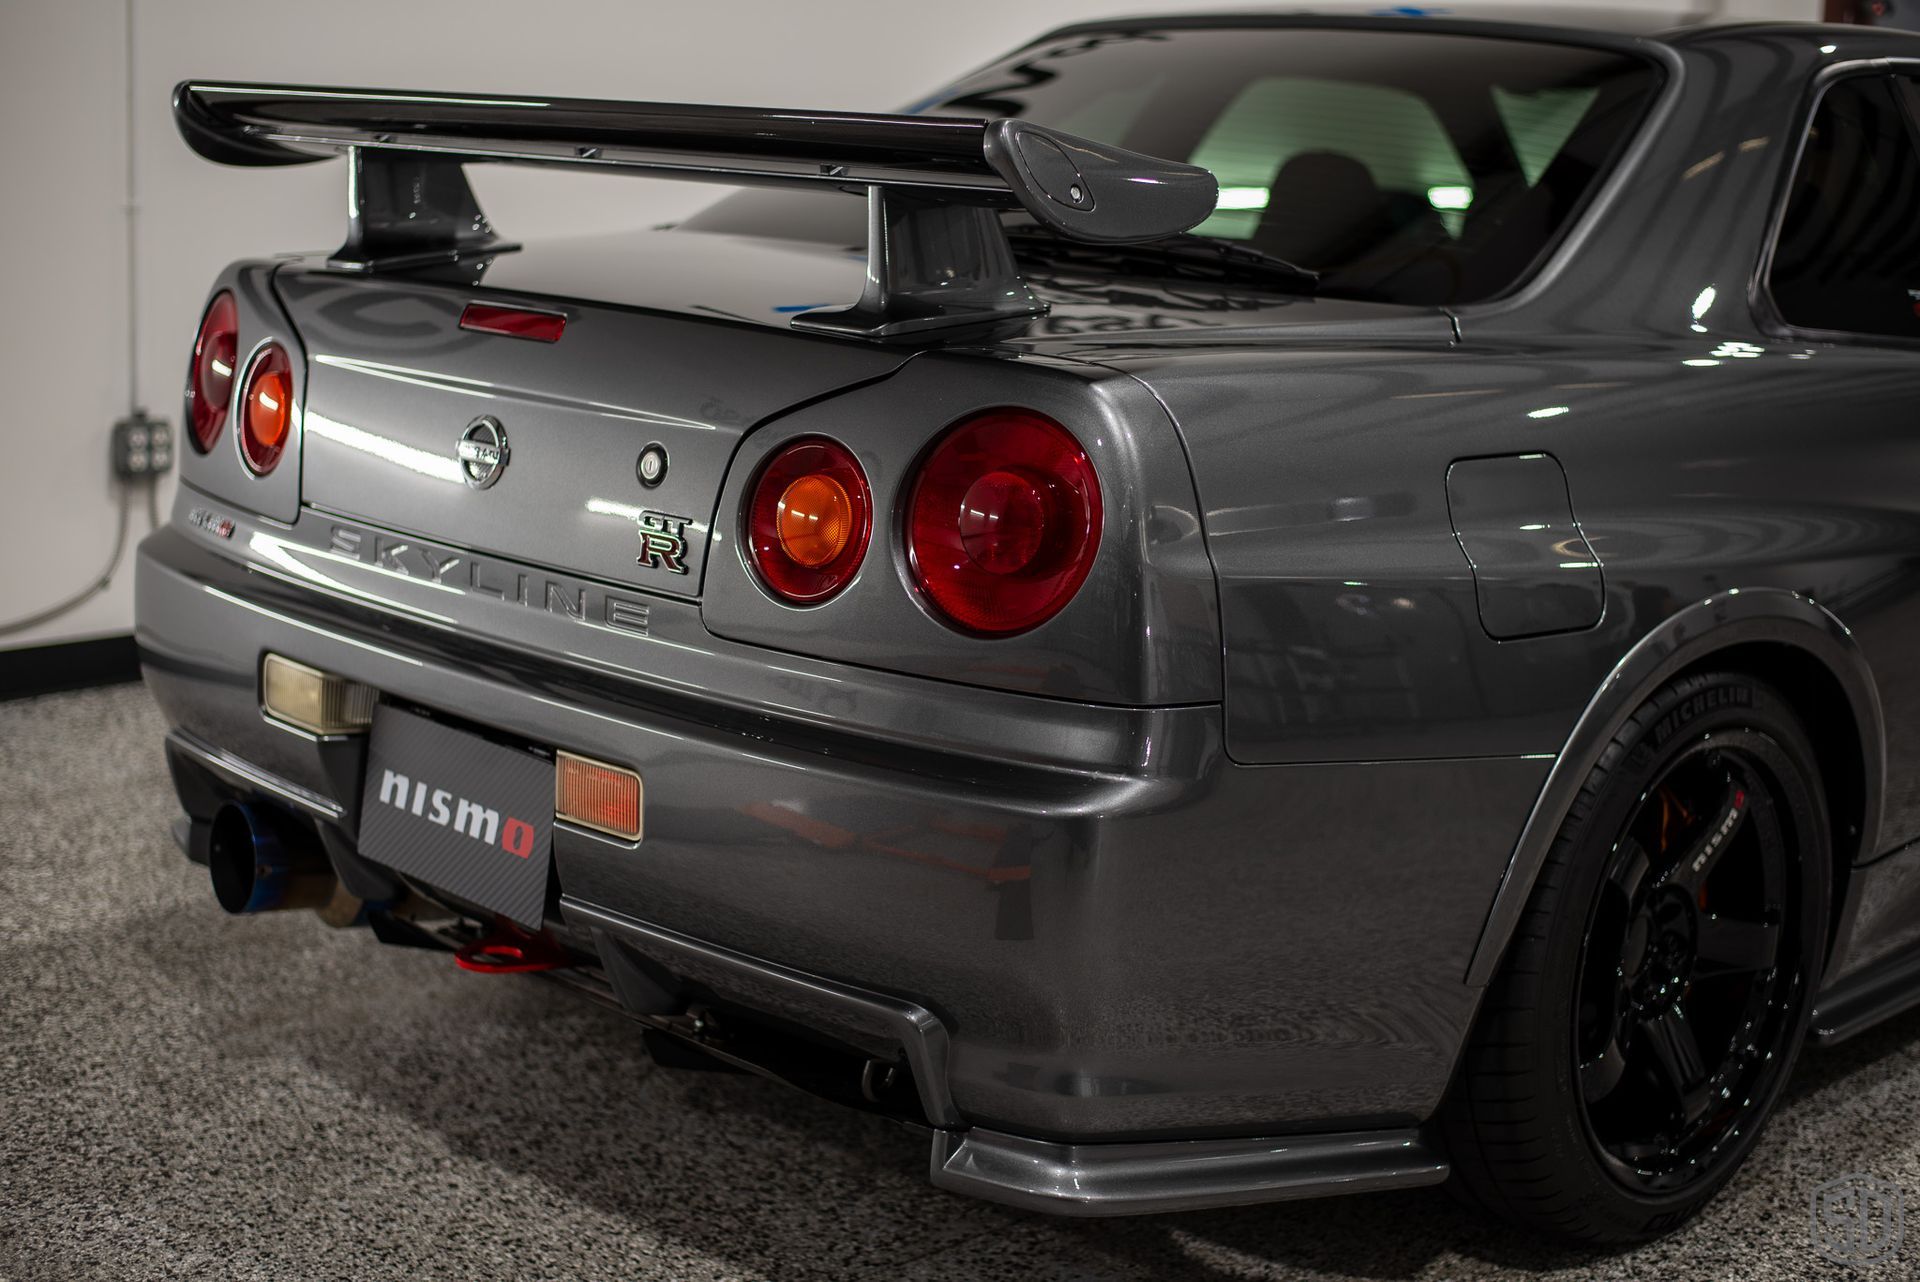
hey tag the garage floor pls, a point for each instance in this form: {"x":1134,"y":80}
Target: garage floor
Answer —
{"x":188,"y":1095}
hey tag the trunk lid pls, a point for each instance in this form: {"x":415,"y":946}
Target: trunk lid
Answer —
{"x":394,"y":384}
{"x":676,"y":339}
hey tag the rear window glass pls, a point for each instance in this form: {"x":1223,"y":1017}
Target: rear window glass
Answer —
{"x":1297,"y":129}
{"x":1403,"y":166}
{"x":1848,"y":254}
{"x":1540,"y":123}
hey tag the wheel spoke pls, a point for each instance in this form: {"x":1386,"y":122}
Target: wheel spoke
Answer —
{"x":1629,"y":871}
{"x":1645,"y":1150}
{"x":1694,"y":866}
{"x":1727,"y":946}
{"x":1601,"y":1075}
{"x":1676,"y":1056}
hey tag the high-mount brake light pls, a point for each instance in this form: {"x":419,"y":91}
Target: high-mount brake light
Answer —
{"x":210,"y":377}
{"x":809,"y":516}
{"x":1003,"y":521}
{"x":266,"y":409}
{"x":513,"y":322}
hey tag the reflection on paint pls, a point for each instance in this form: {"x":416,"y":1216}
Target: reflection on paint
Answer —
{"x":441,"y":467}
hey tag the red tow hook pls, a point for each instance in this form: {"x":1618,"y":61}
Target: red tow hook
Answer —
{"x":509,"y":950}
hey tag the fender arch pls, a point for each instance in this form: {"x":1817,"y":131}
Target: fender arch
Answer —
{"x":1738,"y":616}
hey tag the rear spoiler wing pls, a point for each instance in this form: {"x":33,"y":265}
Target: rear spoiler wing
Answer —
{"x":937,"y":256}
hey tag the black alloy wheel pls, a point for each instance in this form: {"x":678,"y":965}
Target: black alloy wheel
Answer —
{"x":1685,"y":1012}
{"x":1659,"y":985}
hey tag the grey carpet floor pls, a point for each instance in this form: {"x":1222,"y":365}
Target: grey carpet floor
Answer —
{"x":184,"y":1095}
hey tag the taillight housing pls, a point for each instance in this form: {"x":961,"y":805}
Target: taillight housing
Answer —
{"x":210,"y":377}
{"x":1003,"y":521}
{"x":266,"y":408}
{"x":808,"y":520}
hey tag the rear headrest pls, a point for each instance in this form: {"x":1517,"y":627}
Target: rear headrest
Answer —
{"x":1322,"y":209}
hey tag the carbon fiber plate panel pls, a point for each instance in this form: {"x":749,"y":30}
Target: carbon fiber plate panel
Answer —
{"x":470,"y":817}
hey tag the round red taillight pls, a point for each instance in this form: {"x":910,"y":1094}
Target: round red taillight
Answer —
{"x":266,"y":408}
{"x":210,"y":378}
{"x":808,"y":520}
{"x":1003,"y":522}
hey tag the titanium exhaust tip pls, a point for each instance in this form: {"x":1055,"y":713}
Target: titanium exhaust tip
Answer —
{"x":260,"y":861}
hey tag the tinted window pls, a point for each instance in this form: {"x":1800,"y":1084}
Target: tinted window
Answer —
{"x":1410,"y":167}
{"x":1282,"y":131}
{"x":1848,"y":256}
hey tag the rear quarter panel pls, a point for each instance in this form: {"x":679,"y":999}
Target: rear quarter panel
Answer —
{"x":1352,"y":630}
{"x":1704,"y":450}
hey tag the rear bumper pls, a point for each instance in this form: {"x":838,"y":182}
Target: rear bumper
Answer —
{"x":1103,"y":942}
{"x":1041,"y":1175}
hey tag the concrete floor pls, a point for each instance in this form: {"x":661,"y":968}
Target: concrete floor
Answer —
{"x":188,"y":1095}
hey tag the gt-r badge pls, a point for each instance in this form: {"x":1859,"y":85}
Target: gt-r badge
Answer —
{"x":483,"y":452}
{"x":663,"y":541}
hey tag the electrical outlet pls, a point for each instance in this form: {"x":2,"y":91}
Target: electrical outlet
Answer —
{"x":142,"y":447}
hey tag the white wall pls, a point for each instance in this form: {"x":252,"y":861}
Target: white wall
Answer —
{"x":63,"y":91}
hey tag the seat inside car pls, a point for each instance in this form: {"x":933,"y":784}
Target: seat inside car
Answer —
{"x":1324,"y":210}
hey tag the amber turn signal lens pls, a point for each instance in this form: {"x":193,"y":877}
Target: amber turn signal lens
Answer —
{"x":266,"y":411}
{"x":808,"y":517}
{"x":815,"y":520}
{"x":596,"y":795}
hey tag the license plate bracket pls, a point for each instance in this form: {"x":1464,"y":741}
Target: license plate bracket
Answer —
{"x":459,"y":812}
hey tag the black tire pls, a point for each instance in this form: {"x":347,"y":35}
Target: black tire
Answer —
{"x":1577,"y":1110}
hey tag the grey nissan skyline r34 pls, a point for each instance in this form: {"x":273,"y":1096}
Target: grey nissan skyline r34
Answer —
{"x":1230,"y":608}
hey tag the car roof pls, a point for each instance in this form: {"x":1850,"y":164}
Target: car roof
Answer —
{"x":1672,"y":25}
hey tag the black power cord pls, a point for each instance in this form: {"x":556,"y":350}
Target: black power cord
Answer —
{"x":93,"y":589}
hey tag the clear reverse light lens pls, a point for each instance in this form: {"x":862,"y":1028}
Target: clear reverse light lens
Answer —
{"x":312,"y":700}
